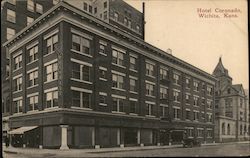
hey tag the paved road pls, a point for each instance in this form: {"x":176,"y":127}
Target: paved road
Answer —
{"x":222,"y":150}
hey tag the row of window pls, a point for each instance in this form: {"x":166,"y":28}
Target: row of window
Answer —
{"x":200,"y":132}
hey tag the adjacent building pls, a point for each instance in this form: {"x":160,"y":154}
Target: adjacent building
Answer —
{"x":15,"y":16}
{"x":231,"y":108}
{"x":87,"y":83}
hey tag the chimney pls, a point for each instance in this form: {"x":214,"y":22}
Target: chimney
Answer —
{"x":143,"y":20}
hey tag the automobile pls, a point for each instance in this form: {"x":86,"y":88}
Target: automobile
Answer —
{"x":189,"y":142}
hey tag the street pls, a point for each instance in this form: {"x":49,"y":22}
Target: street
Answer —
{"x":218,"y":150}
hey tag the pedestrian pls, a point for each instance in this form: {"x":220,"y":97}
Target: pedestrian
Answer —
{"x":7,"y":141}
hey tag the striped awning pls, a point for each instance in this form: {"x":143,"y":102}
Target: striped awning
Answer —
{"x":21,"y":130}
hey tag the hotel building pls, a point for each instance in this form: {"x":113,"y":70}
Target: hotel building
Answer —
{"x":78,"y":81}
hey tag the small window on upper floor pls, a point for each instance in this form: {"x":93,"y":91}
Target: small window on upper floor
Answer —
{"x":228,"y":91}
{"x":90,"y":9}
{"x":39,"y":8}
{"x":137,"y":28}
{"x":11,"y":16}
{"x":105,"y":5}
{"x":95,"y":10}
{"x":30,"y":5}
{"x":10,"y":33}
{"x":85,"y":6}
{"x":116,"y":16}
{"x":29,"y":20}
{"x":105,"y":15}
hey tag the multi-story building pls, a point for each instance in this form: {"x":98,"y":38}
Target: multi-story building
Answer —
{"x":86,"y":83}
{"x":15,"y":16}
{"x":231,"y":108}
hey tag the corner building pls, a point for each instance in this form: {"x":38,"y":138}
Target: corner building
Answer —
{"x":79,"y":82}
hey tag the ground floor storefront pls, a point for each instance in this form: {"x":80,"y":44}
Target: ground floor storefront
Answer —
{"x":73,"y":129}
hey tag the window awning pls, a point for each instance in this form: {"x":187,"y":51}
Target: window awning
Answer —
{"x":21,"y":130}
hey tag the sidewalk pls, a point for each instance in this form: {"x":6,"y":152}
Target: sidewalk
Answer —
{"x":92,"y":152}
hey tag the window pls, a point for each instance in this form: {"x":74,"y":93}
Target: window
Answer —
{"x":118,"y":81}
{"x":80,"y":71}
{"x":18,"y":84}
{"x":118,"y":105}
{"x":102,"y":98}
{"x":33,"y":78}
{"x":132,"y":60}
{"x":188,"y":114}
{"x":176,"y":79}
{"x":196,"y":115}
{"x":80,"y":44}
{"x":190,"y":132}
{"x":241,"y":130}
{"x":163,"y":74}
{"x":33,"y":103}
{"x":105,"y":4}
{"x":176,"y":95}
{"x":39,"y":8}
{"x":241,"y":102}
{"x":223,"y":129}
{"x":102,"y":49}
{"x":149,"y":69}
{"x":209,"y":117}
{"x":12,"y":2}
{"x":177,"y":113}
{"x":209,"y":133}
{"x":55,"y":2}
{"x":196,"y":86}
{"x":209,"y":104}
{"x":52,"y":44}
{"x":118,"y":57}
{"x":116,"y":16}
{"x":149,"y":109}
{"x":29,"y":20}
{"x":200,"y":132}
{"x":149,"y":89}
{"x":187,"y":98}
{"x":95,"y":10}
{"x":133,"y":84}
{"x":163,"y":93}
{"x":81,"y":99}
{"x":33,"y":54}
{"x":30,"y":5}
{"x":51,"y":72}
{"x":132,"y":105}
{"x":18,"y":62}
{"x":137,"y":28}
{"x":164,"y":111}
{"x":18,"y":106}
{"x":10,"y":33}
{"x":228,"y":129}
{"x":103,"y":73}
{"x":85,"y":6}
{"x":105,"y":15}
{"x":11,"y":16}
{"x":196,"y":101}
{"x":126,"y":21}
{"x":90,"y":9}
{"x":203,"y":100}
{"x":202,"y":115}
{"x":209,"y":90}
{"x":188,"y":83}
{"x":51,"y":99}
{"x":129,"y":23}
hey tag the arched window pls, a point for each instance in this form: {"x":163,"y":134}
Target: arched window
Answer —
{"x":228,"y":129}
{"x":223,"y":128}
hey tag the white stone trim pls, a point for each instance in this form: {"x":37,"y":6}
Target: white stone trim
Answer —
{"x":103,"y":43}
{"x":18,"y":98}
{"x":150,"y":62}
{"x":33,"y":44}
{"x":133,"y":99}
{"x":118,"y":49}
{"x":118,"y":73}
{"x":17,"y":54}
{"x":133,"y":55}
{"x":189,"y":127}
{"x":150,"y":102}
{"x":51,"y":33}
{"x":118,"y":96}
{"x":80,"y":62}
{"x":102,"y":93}
{"x":164,"y":105}
{"x":82,"y":34}
{"x":150,"y":82}
{"x":162,"y":86}
{"x":133,"y":77}
{"x":176,"y":107}
{"x":32,"y":70}
{"x":176,"y":90}
{"x":81,"y":89}
{"x":103,"y":68}
{"x":17,"y":76}
{"x":51,"y":89}
{"x":187,"y":109}
{"x":32,"y":94}
{"x":50,"y":62}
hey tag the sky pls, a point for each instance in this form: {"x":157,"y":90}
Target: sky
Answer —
{"x":176,"y":24}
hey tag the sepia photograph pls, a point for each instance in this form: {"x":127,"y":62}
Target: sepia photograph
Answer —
{"x":125,"y":78}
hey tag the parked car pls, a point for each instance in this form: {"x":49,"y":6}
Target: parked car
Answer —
{"x":189,"y":142}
